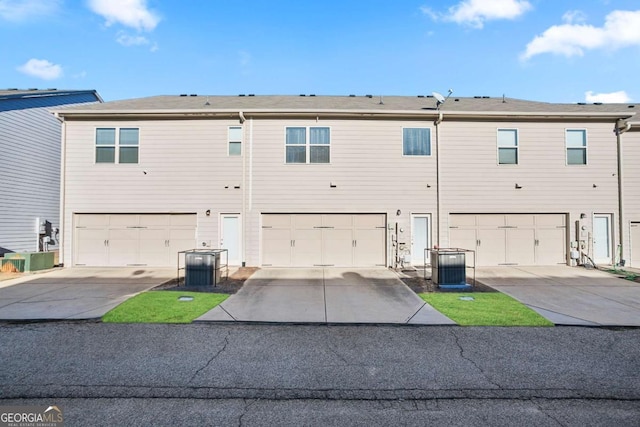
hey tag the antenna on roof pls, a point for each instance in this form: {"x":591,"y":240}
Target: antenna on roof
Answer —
{"x":441,"y":99}
{"x":207,"y":103}
{"x":381,"y":101}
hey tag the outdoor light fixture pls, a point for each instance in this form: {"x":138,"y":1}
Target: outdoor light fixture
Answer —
{"x":398,"y":212}
{"x":583,"y":216}
{"x":208,"y":212}
{"x":518,"y":186}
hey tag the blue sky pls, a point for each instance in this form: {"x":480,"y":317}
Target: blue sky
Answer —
{"x":544,"y":50}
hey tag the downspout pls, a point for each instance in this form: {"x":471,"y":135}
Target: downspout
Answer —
{"x":436,"y":124}
{"x":621,"y":127}
{"x":63,"y":162}
{"x":244,"y":193}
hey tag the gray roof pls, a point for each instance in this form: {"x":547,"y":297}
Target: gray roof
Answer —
{"x":405,"y":105}
{"x":36,"y":93}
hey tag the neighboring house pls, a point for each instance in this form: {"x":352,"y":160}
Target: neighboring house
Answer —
{"x":348,"y":181}
{"x":30,"y":166}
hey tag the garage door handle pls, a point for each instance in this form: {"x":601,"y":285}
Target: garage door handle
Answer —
{"x":355,"y":243}
{"x":106,"y":243}
{"x":293,"y":243}
{"x":478,"y":242}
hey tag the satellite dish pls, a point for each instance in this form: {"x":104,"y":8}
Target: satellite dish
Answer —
{"x":438,"y":97}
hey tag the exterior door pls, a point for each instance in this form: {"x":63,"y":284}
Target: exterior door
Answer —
{"x":635,"y":244}
{"x":419,"y":238}
{"x":602,"y":239}
{"x":230,"y":238}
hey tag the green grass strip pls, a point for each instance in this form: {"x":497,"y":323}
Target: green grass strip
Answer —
{"x":163,"y":307}
{"x":486,"y":309}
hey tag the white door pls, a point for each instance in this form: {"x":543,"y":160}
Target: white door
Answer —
{"x":419,"y":238}
{"x":602,"y":239}
{"x":230,"y":238}
{"x":635,"y":244}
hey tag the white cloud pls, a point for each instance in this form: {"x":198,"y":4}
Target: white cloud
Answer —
{"x":130,"y":13}
{"x":42,"y":69}
{"x":126,"y":40}
{"x":574,"y":17}
{"x":476,"y":12}
{"x":608,"y":98}
{"x":621,"y":29}
{"x":22,"y":10}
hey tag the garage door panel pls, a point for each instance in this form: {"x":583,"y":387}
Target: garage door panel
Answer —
{"x":491,"y":220}
{"x":123,"y":221}
{"x":307,"y":221}
{"x":154,"y":243}
{"x":307,"y":247}
{"x":369,"y":248}
{"x":492,"y":247}
{"x":337,"y":247}
{"x":551,"y":220}
{"x":276,"y":247}
{"x":521,"y":246}
{"x":91,"y":220}
{"x":520,"y":220}
{"x":123,"y":246}
{"x":183,"y":220}
{"x":463,"y":239}
{"x":551,"y":248}
{"x":91,"y":247}
{"x":338,"y":221}
{"x":277,"y":220}
{"x":153,"y":247}
{"x":155,"y":220}
{"x":635,"y":244}
{"x":458,"y":220}
{"x":369,"y":221}
{"x":305,"y":240}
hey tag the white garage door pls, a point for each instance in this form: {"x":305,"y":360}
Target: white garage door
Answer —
{"x":307,"y":240}
{"x":511,"y":239}
{"x":117,"y":240}
{"x":635,"y":244}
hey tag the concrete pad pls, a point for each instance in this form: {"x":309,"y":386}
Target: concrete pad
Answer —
{"x":75,"y":293}
{"x":569,"y":295}
{"x":326,"y":295}
{"x":275,"y":295}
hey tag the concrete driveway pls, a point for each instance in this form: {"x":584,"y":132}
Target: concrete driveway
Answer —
{"x":75,"y":293}
{"x":569,"y":295}
{"x":326,"y":295}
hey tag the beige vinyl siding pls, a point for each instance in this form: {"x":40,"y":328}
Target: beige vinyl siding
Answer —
{"x":471,"y":180}
{"x":188,"y":169}
{"x":367,"y":167}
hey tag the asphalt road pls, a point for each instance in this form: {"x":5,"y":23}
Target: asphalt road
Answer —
{"x":208,"y":374}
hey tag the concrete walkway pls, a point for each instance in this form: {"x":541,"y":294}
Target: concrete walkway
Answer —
{"x":326,"y":295}
{"x":75,"y":293}
{"x":569,"y":295}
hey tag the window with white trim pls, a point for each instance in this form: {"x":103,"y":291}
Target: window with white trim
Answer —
{"x":235,"y":141}
{"x":307,"y":144}
{"x":117,"y":145}
{"x":507,"y":146}
{"x":576,"y":141}
{"x":416,"y":141}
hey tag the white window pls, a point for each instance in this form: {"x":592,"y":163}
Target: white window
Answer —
{"x":308,"y":145}
{"x":416,"y":141}
{"x":576,"y":140}
{"x":235,"y":141}
{"x":115,"y":145}
{"x":507,"y":146}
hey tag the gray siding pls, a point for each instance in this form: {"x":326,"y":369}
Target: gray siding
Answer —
{"x":29,"y":171}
